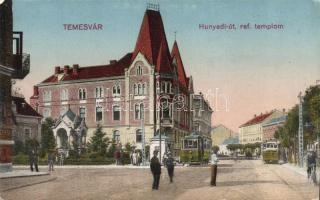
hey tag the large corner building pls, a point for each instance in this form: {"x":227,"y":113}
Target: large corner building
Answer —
{"x":146,"y":86}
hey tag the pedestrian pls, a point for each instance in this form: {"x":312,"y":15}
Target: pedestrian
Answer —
{"x":61,"y":159}
{"x":51,"y":158}
{"x":33,"y":160}
{"x":139,"y":158}
{"x":117,"y":156}
{"x":170,"y":166}
{"x":134,"y":158}
{"x":131,"y":158}
{"x":214,"y":167}
{"x":155,"y":167}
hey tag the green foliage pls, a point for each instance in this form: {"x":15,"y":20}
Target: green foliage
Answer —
{"x":98,"y":142}
{"x":47,"y":138}
{"x":18,"y":147}
{"x":215,"y":148}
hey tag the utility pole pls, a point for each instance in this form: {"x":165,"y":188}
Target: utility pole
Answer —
{"x":300,"y":131}
{"x":143,"y":138}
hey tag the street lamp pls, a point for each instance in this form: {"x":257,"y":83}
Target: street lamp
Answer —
{"x":143,"y":137}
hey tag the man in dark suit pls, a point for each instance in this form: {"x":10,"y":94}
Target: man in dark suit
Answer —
{"x":33,"y":159}
{"x":155,"y":167}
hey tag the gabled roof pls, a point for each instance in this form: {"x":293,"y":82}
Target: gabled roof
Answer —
{"x":257,"y":119}
{"x":100,"y":71}
{"x":152,"y":42}
{"x":71,"y":115}
{"x":23,"y":108}
{"x":175,"y":55}
{"x":277,"y":120}
{"x":231,"y":140}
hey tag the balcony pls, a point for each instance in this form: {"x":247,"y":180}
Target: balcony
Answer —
{"x":166,"y":122}
{"x":20,"y":60}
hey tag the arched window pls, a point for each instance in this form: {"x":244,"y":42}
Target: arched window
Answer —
{"x":139,"y":89}
{"x":64,"y":95}
{"x":144,"y":89}
{"x":47,"y":96}
{"x":99,"y":92}
{"x":137,"y":111}
{"x":82,"y":93}
{"x":116,"y":90}
{"x":139,"y":136}
{"x":141,"y":111}
{"x":135,"y":90}
{"x":116,"y":136}
{"x":139,"y":70}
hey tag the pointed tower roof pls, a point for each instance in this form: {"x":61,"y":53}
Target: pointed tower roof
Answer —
{"x":175,"y":55}
{"x":163,"y":60}
{"x":151,"y":39}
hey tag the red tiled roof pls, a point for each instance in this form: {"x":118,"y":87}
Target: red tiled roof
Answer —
{"x":151,"y":39}
{"x":256,"y":120}
{"x":23,"y":108}
{"x":114,"y":69}
{"x":175,"y":54}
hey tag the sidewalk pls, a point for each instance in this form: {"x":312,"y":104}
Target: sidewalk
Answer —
{"x":21,"y":173}
{"x":296,"y":168}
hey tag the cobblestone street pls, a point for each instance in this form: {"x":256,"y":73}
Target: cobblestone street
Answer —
{"x":236,"y":180}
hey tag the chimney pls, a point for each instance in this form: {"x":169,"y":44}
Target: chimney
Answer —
{"x":283,"y":110}
{"x":75,"y":68}
{"x":65,"y":69}
{"x":35,"y":91}
{"x":255,"y":115}
{"x":57,"y":70}
{"x":113,"y":61}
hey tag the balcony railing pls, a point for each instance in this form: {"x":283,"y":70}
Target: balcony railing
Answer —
{"x":166,"y":122}
{"x":20,"y":60}
{"x":21,"y":64}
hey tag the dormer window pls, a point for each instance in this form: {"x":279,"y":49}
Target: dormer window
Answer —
{"x":139,"y":70}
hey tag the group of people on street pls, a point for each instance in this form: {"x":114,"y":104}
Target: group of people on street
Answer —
{"x":136,"y":158}
{"x":155,"y":167}
{"x":52,"y":158}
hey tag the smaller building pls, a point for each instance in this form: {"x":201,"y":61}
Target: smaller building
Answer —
{"x":27,"y":121}
{"x":251,"y":131}
{"x":69,"y":130}
{"x":272,"y":126}
{"x":223,"y":148}
{"x":220,"y":133}
{"x":202,"y":113}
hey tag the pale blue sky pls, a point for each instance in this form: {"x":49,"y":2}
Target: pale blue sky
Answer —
{"x":257,"y":70}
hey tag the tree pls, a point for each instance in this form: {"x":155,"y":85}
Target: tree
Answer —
{"x":98,"y":142}
{"x":215,"y":148}
{"x":48,"y":141}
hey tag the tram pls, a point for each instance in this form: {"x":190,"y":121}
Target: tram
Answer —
{"x":195,"y":149}
{"x":270,"y":152}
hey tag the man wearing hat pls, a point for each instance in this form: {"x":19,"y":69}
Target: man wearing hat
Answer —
{"x":170,"y":166}
{"x":155,"y":167}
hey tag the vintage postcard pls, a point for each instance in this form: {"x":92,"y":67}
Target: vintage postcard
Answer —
{"x":150,"y":99}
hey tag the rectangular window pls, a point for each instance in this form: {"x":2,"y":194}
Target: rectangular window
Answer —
{"x":138,"y":136}
{"x":27,"y":133}
{"x":116,"y":113}
{"x":82,"y":112}
{"x":46,"y":113}
{"x":98,"y":113}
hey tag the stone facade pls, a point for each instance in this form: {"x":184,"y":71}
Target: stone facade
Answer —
{"x":202,"y":113}
{"x":220,"y":133}
{"x":148,"y":85}
{"x":27,"y":122}
{"x":252,"y":132}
